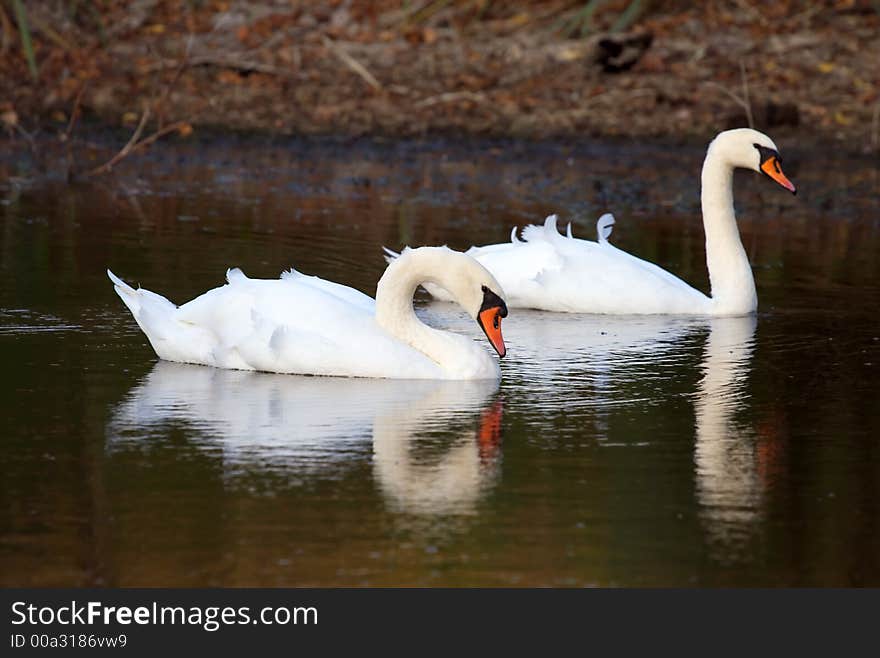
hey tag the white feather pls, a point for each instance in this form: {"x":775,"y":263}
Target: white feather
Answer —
{"x":562,"y":273}
{"x":307,"y":325}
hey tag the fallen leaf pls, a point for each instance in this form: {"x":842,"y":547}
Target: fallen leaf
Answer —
{"x":228,"y":77}
{"x":826,"y":67}
{"x":9,"y":118}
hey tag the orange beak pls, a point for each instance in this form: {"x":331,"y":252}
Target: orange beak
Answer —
{"x":771,"y":167}
{"x":490,"y":322}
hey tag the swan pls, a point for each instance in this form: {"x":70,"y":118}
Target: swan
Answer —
{"x":307,"y":325}
{"x":552,"y":272}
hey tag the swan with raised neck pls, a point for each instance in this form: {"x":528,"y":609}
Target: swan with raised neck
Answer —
{"x":553,"y":272}
{"x":730,"y":273}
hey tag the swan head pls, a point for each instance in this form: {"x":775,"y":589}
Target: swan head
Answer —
{"x":478,"y":292}
{"x":492,"y":309}
{"x":469,"y":284}
{"x":751,"y":149}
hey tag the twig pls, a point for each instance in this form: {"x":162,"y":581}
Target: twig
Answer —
{"x":739,"y":101}
{"x":424,"y":13}
{"x":6,"y":31}
{"x":170,"y":128}
{"x":451,"y":97}
{"x":42,"y":26}
{"x":745,"y":83}
{"x":629,"y":16}
{"x":125,"y":150}
{"x":146,"y":141}
{"x":74,"y":114}
{"x":29,"y":138}
{"x":353,"y":64}
{"x":65,"y":136}
{"x":583,"y":17}
{"x":184,"y":64}
{"x":875,"y":126}
{"x":748,"y":9}
{"x":229,"y":62}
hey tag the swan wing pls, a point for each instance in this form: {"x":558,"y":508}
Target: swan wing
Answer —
{"x":295,"y":324}
{"x":344,"y":293}
{"x":550,"y":271}
{"x":600,"y":278}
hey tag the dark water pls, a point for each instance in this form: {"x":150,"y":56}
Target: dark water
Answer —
{"x":613,"y":452}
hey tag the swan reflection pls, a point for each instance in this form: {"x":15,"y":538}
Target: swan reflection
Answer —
{"x":571,"y":361}
{"x":729,"y":488}
{"x":321,"y":425}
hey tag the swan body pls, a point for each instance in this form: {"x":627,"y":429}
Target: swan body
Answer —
{"x":548,"y":271}
{"x":307,"y":325}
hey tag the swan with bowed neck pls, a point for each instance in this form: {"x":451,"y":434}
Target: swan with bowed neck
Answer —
{"x":306,"y":325}
{"x":552,"y":272}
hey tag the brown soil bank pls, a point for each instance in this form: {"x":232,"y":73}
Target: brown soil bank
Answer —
{"x":529,"y":69}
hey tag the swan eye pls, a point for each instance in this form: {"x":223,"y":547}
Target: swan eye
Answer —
{"x":765,"y":154}
{"x":492,"y":300}
{"x":771,"y":165}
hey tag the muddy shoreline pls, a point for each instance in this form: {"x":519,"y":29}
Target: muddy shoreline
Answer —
{"x":364,"y":69}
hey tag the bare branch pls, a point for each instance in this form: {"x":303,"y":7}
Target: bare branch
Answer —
{"x":745,"y":84}
{"x":233,"y":61}
{"x":734,"y":97}
{"x":353,"y":64}
{"x":74,"y":113}
{"x":875,"y":128}
{"x":125,"y":150}
{"x":451,"y":97}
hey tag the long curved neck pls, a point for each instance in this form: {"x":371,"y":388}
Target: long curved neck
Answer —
{"x":394,"y":302}
{"x":730,"y":274}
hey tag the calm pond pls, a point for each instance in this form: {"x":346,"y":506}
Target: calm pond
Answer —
{"x":614,"y":451}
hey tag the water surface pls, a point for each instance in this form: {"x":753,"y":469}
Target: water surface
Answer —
{"x":614,"y":451}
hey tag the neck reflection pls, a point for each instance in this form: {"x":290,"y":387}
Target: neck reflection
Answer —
{"x":729,"y":489}
{"x":435,"y":444}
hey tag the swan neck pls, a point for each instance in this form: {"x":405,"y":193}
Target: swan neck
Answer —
{"x":730,"y":273}
{"x":394,"y":304}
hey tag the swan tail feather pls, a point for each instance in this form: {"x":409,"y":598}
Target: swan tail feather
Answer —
{"x":235,"y":275}
{"x":152,"y":312}
{"x":604,"y":227}
{"x":539,"y":232}
{"x":391,"y":255}
{"x":138,"y":300}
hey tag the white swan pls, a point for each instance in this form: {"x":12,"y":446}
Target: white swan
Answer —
{"x":306,"y":325}
{"x":552,"y":272}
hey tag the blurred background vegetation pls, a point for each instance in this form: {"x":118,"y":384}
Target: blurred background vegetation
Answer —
{"x":633,"y":68}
